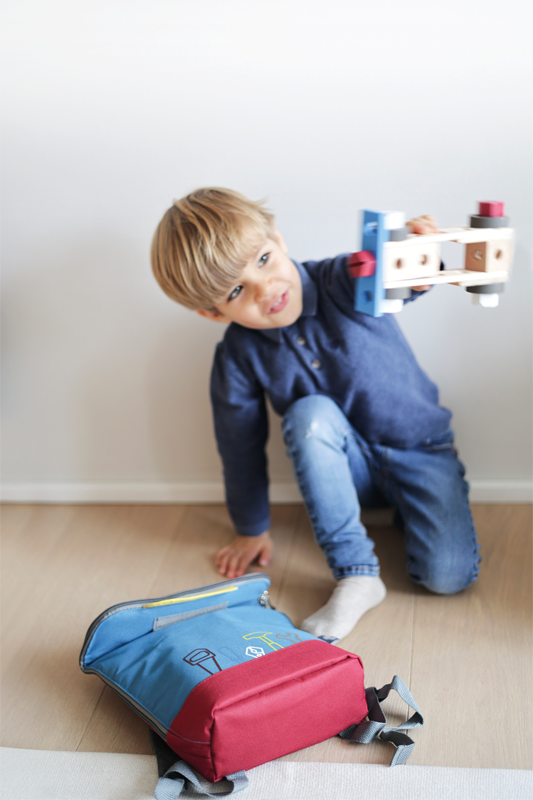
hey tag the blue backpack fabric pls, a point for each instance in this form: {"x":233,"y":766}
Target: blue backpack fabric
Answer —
{"x":226,"y":682}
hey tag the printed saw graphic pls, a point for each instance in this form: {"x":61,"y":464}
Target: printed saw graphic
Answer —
{"x":392,"y":261}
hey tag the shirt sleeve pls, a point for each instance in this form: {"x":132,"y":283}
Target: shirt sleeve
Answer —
{"x":415,"y":295}
{"x":241,"y":430}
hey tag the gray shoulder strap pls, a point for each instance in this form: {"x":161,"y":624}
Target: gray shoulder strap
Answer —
{"x":375,"y":725}
{"x":170,"y":785}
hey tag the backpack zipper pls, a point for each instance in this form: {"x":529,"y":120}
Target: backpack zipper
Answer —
{"x":264,"y":600}
{"x":190,"y":594}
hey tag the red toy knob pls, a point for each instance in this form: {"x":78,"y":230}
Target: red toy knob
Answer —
{"x":491,"y":209}
{"x":361,"y":264}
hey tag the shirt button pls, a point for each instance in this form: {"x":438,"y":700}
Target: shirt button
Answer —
{"x":315,"y":363}
{"x":300,"y":340}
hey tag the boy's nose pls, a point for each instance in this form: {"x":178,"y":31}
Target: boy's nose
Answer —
{"x":263,"y":291}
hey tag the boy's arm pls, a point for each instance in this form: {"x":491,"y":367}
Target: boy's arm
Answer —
{"x":241,"y":429}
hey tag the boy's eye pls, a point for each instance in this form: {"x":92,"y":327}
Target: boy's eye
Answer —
{"x":234,"y":293}
{"x":263,"y":259}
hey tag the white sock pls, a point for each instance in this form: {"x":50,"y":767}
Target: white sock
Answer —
{"x":353,"y":597}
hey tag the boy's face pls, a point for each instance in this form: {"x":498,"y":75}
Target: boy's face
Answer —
{"x":268,"y":293}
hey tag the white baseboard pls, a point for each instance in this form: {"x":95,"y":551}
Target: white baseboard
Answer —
{"x":198,"y":492}
{"x":212,"y":492}
{"x":501,"y":491}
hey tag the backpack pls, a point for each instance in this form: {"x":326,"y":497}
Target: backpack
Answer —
{"x":229,"y":683}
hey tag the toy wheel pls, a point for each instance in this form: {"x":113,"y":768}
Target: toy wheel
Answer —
{"x":488,"y":222}
{"x":486,"y":288}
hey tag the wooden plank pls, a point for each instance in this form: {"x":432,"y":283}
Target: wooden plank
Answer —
{"x":460,"y":234}
{"x":472,"y":655}
{"x":104,"y":555}
{"x":39,"y":527}
{"x":12,"y":517}
{"x":457,"y":277}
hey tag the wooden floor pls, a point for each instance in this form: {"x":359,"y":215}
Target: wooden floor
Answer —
{"x":466,"y":659}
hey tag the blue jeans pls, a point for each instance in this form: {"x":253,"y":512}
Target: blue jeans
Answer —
{"x":338,"y":473}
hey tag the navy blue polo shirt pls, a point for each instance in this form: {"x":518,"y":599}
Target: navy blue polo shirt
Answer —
{"x":362,"y":363}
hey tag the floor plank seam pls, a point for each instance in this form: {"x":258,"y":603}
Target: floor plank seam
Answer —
{"x":185,"y":513}
{"x":90,"y":718}
{"x":412,"y":653}
{"x":290,"y":552}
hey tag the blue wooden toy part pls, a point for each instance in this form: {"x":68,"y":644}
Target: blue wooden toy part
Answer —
{"x":369,"y":291}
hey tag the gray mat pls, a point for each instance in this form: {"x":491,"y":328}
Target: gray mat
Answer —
{"x":45,"y":775}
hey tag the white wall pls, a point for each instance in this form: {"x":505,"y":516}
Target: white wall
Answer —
{"x":113,"y":108}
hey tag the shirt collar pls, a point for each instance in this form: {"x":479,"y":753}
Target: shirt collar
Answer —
{"x":309,"y":303}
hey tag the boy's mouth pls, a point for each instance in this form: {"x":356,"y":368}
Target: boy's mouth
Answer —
{"x":279,"y":304}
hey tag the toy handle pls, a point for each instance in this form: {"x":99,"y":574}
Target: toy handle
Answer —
{"x":170,"y":785}
{"x":374,"y":727}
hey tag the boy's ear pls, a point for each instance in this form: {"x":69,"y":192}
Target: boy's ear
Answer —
{"x":216,"y":316}
{"x":281,"y":241}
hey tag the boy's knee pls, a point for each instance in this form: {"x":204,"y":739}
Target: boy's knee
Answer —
{"x":310,"y":415}
{"x":446,"y":585}
{"x":444,"y":578}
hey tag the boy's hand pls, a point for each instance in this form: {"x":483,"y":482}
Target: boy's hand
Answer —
{"x":425,"y":224}
{"x":233,"y":559}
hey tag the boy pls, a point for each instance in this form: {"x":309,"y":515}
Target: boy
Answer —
{"x":361,"y":420}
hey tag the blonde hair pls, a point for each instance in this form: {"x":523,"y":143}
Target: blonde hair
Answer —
{"x":203,"y":243}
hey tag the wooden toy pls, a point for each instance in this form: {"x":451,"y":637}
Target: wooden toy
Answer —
{"x":392,"y":261}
